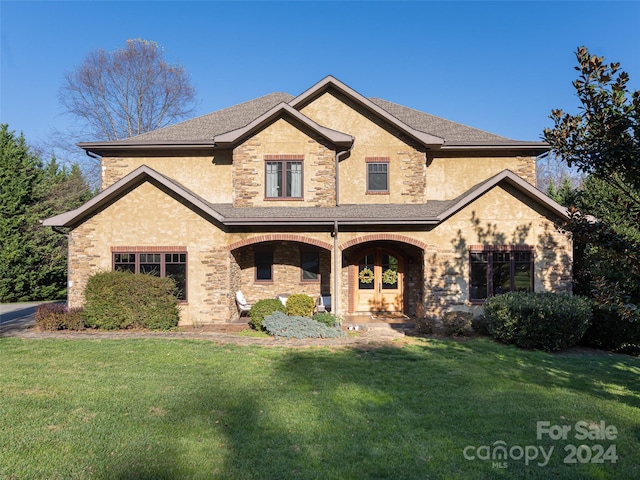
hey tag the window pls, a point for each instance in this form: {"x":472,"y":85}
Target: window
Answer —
{"x":283,"y":176}
{"x":500,"y":269}
{"x":377,"y":175}
{"x":264,"y":265}
{"x":160,"y":264}
{"x":310,"y":266}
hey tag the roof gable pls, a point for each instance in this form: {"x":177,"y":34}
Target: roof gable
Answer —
{"x":119,"y":188}
{"x":232,"y":138}
{"x":506,"y":176}
{"x":331,"y":83}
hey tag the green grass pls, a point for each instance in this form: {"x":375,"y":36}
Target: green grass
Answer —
{"x":155,"y":409}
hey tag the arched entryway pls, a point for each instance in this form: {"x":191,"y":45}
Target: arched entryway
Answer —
{"x":379,"y":281}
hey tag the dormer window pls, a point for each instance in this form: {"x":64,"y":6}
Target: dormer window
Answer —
{"x":283,"y":176}
{"x":377,"y":174}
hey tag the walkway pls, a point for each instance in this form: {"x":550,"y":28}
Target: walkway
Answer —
{"x":17,"y":321}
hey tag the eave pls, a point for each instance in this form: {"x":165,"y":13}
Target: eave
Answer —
{"x":168,"y":147}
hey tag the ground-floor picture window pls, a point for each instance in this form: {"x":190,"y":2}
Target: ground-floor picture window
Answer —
{"x":160,"y":264}
{"x":500,"y":269}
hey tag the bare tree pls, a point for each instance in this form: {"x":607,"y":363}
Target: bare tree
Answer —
{"x":126,"y":92}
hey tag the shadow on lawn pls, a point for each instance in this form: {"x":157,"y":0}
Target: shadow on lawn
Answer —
{"x":389,"y":412}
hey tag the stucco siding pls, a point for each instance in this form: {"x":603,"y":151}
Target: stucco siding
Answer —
{"x":372,"y":139}
{"x":208,"y":176}
{"x":149,"y":217}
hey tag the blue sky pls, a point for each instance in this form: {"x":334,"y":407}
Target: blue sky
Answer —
{"x":497,"y":66}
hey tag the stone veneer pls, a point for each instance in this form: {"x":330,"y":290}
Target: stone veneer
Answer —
{"x":249,"y":167}
{"x":113,"y":169}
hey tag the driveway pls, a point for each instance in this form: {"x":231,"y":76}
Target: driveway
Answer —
{"x":17,"y":316}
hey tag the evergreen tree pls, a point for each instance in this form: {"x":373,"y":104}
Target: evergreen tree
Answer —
{"x":33,"y":259}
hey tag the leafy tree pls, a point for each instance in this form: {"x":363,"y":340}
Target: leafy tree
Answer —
{"x":127,"y":91}
{"x":33,"y":259}
{"x":602,"y":140}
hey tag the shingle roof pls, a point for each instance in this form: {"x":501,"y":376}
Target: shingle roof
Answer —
{"x":430,"y":213}
{"x":207,"y":126}
{"x":430,"y":131}
{"x":440,"y":127}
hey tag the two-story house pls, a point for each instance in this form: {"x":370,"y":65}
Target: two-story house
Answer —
{"x":378,"y":206}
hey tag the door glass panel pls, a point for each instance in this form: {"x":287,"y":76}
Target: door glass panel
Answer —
{"x":389,"y":265}
{"x":366,"y":267}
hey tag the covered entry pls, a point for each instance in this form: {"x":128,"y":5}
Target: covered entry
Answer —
{"x":380,"y":280}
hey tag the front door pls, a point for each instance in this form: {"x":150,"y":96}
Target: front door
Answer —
{"x":379,"y":282}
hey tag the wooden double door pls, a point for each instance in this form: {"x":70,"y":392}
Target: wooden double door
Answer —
{"x":379,"y":281}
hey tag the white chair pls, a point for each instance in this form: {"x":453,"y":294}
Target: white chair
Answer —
{"x":243,"y":305}
{"x":320,"y":305}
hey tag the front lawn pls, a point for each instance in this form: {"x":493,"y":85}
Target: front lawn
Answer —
{"x":422,"y":408}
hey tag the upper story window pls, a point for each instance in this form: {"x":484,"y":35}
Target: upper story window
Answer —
{"x":172,"y":263}
{"x":500,"y":269}
{"x":283,"y":176}
{"x":377,"y":174}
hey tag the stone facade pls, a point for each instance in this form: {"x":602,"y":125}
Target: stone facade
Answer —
{"x":221,"y":258}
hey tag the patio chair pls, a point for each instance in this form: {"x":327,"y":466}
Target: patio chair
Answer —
{"x":319,"y":305}
{"x":243,"y":305}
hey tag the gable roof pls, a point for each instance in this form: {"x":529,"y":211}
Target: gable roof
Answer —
{"x":429,"y":130}
{"x":232,"y":138}
{"x":432,"y":212}
{"x":506,"y":176}
{"x":331,"y":83}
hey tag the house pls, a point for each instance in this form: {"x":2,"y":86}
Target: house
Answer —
{"x":374,"y":205}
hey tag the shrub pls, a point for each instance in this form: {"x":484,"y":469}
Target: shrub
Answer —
{"x":49,"y":316}
{"x":425,"y":325}
{"x":119,"y":300}
{"x":544,"y":321}
{"x":456,"y":323}
{"x":280,"y":324}
{"x":55,"y":316}
{"x":328,"y":319}
{"x":300,"y":304}
{"x":261,"y":309}
{"x":479,"y":325}
{"x":609,"y":331}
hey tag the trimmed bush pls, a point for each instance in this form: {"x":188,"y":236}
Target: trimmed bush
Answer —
{"x":261,"y":309}
{"x":542,"y":321}
{"x":609,"y":331}
{"x":282,"y":325}
{"x":327,"y":318}
{"x":56,"y":316}
{"x":300,"y":304}
{"x":49,"y":316}
{"x":479,"y":325}
{"x":121,"y":300}
{"x":457,"y":323}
